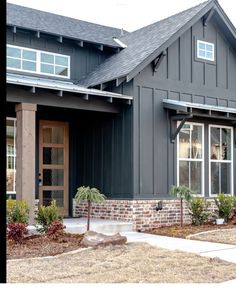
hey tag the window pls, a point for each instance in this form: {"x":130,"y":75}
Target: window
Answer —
{"x":205,"y":50}
{"x":221,"y":159}
{"x":36,"y":61}
{"x":190,"y":155}
{"x":11,"y":155}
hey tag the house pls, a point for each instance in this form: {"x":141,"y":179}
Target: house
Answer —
{"x":129,"y":113}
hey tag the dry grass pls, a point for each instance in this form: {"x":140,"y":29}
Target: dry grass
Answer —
{"x":132,"y":263}
{"x":220,"y":236}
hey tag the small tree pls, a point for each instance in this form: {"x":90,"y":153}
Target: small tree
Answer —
{"x":90,"y":195}
{"x":183,"y":193}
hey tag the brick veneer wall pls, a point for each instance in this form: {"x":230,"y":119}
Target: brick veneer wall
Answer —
{"x":142,"y":213}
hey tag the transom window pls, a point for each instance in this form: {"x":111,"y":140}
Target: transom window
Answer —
{"x":205,"y":50}
{"x":190,"y":154}
{"x":221,"y":159}
{"x":36,"y":61}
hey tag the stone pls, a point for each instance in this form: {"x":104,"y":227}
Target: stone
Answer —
{"x":94,"y":239}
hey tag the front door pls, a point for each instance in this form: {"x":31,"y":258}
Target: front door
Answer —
{"x":53,"y":164}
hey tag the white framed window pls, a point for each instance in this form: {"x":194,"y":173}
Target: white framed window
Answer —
{"x":11,"y":155}
{"x":205,"y":50}
{"x":190,"y":157}
{"x":220,"y":160}
{"x":37,"y":61}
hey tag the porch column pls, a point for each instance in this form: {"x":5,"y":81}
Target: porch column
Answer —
{"x":25,"y":160}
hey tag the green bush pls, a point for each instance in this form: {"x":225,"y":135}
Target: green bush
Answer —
{"x":17,"y":211}
{"x":46,"y":215}
{"x":225,"y":205}
{"x":198,"y":210}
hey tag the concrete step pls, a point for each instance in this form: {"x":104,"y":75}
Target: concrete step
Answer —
{"x":79,"y":225}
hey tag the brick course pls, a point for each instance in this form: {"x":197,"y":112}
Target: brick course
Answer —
{"x":142,"y":213}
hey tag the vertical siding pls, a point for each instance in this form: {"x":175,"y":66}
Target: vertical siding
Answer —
{"x":83,"y":59}
{"x":180,"y":76}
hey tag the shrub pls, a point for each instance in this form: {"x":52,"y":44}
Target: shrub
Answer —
{"x":55,"y":229}
{"x":198,"y":210}
{"x":16,"y":231}
{"x":224,"y":204}
{"x":17,"y":211}
{"x":46,"y":215}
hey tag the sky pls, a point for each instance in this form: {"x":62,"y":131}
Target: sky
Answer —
{"x":127,"y":14}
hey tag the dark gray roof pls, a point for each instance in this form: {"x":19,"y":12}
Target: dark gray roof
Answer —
{"x":37,"y":20}
{"x":141,"y":44}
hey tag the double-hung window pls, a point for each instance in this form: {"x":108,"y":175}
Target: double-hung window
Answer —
{"x":11,"y":155}
{"x":221,"y":159}
{"x":190,"y":157}
{"x":36,"y":61}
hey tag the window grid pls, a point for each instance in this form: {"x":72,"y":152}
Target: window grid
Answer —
{"x":205,"y":50}
{"x":11,"y":156}
{"x":38,"y":62}
{"x":220,"y":161}
{"x":190,"y":159}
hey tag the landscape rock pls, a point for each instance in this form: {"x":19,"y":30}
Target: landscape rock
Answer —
{"x":94,"y":239}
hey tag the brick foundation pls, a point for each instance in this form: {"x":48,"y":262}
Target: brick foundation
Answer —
{"x":142,"y":213}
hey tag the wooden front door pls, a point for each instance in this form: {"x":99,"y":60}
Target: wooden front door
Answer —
{"x":53,"y":164}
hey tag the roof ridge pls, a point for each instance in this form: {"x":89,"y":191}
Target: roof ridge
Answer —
{"x":166,"y":18}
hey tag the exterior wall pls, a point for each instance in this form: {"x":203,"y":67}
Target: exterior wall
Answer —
{"x":83,"y":59}
{"x":179,"y":77}
{"x":141,"y":213}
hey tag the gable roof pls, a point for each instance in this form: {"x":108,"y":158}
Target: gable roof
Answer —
{"x":145,"y":44}
{"x":36,"y":20}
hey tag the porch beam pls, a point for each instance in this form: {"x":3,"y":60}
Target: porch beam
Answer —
{"x":25,"y":160}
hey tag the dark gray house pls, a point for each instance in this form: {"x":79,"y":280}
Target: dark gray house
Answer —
{"x":129,"y":113}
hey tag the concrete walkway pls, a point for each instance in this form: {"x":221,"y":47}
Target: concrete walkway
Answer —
{"x":209,"y":249}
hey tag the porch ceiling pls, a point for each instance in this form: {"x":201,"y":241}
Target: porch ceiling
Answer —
{"x":63,"y":86}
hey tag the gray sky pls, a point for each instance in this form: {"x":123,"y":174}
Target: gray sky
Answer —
{"x":127,"y":14}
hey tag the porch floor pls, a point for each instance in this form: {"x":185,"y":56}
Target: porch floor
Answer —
{"x":79,"y":225}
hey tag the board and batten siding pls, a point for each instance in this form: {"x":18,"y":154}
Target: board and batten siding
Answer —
{"x":83,"y":59}
{"x":180,"y":76}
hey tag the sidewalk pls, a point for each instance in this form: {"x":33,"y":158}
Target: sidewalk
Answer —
{"x":209,"y":249}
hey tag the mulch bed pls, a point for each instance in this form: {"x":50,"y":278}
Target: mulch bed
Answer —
{"x":42,"y":245}
{"x":187,"y":229}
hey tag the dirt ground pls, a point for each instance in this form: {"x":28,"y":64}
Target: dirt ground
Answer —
{"x":221,"y":236}
{"x":42,"y":245}
{"x":130,"y":263}
{"x":187,"y":229}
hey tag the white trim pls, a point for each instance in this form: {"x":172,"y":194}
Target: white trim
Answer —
{"x":213,"y":50}
{"x":202,"y":160}
{"x":220,"y":161}
{"x":38,"y":62}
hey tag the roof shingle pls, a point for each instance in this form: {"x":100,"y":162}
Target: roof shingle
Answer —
{"x":37,"y":20}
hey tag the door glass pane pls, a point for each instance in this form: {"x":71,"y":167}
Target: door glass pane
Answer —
{"x":184,"y":141}
{"x":225,"y":169}
{"x":196,"y":172}
{"x":53,"y":135}
{"x":184,"y":173}
{"x":53,"y":177}
{"x":196,"y":141}
{"x":53,"y":155}
{"x":226,"y":144}
{"x":49,"y":195}
{"x":215,"y":143}
{"x":215,"y":174}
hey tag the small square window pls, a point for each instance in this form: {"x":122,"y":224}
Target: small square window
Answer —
{"x":205,"y":50}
